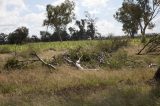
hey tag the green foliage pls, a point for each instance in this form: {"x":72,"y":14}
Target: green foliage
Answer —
{"x":87,"y":54}
{"x":12,"y":63}
{"x":59,"y":16}
{"x":18,"y":36}
{"x":113,"y":45}
{"x":3,"y":38}
{"x":91,"y":55}
{"x":125,"y":15}
{"x":86,"y":28}
{"x":118,"y":43}
{"x":137,"y":14}
{"x":117,"y":60}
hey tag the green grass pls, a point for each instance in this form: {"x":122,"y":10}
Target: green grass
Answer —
{"x":47,"y":45}
{"x":59,"y":45}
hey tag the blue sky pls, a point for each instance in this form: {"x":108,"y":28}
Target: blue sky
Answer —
{"x":31,"y":13}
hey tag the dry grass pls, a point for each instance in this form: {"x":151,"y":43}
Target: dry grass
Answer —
{"x":39,"y":87}
{"x":67,"y":86}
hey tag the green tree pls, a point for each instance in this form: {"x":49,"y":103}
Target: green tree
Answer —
{"x":91,"y":28}
{"x":18,"y":36}
{"x":138,"y":14}
{"x":86,"y":28}
{"x":125,"y":15}
{"x":58,"y":17}
{"x":81,"y":34}
{"x":45,"y":36}
{"x":3,"y":38}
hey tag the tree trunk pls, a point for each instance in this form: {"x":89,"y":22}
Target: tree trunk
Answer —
{"x":60,"y":37}
{"x":132,"y":35}
{"x":143,"y":39}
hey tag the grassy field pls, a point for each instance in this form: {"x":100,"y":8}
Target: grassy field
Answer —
{"x":47,"y":45}
{"x":58,"y":45}
{"x":37,"y":85}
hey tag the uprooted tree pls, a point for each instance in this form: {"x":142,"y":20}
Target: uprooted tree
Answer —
{"x":152,"y":46}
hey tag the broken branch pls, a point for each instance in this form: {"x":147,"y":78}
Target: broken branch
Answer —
{"x":45,"y":63}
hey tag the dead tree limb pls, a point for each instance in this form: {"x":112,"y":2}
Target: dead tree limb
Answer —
{"x":149,"y":42}
{"x":23,"y":61}
{"x":45,"y":63}
{"x":77,"y":63}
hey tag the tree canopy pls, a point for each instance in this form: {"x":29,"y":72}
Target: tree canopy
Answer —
{"x":18,"y":36}
{"x":58,"y":17}
{"x":137,"y":15}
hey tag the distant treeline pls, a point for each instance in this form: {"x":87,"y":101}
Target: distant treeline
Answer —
{"x":21,"y":36}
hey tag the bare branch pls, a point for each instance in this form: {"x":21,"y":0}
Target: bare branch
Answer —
{"x":45,"y":63}
{"x":77,"y":63}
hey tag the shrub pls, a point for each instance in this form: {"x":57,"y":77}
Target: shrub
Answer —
{"x":89,"y":56}
{"x":112,"y":45}
{"x":117,"y":60}
{"x":117,"y":43}
{"x":12,"y":63}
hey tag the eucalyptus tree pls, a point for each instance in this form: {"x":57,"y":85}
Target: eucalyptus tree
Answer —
{"x":138,"y":15}
{"x":58,"y":17}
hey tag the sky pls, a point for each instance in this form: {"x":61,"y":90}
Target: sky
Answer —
{"x":31,"y":13}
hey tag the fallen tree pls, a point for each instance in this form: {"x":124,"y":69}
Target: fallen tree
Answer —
{"x":76,"y":63}
{"x":45,"y":63}
{"x":152,"y":46}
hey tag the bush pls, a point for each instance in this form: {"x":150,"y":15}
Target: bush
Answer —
{"x":100,"y":55}
{"x":89,"y":56}
{"x":12,"y":63}
{"x":117,"y":60}
{"x":112,"y":45}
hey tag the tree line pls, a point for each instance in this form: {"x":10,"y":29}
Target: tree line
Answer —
{"x":135,"y":15}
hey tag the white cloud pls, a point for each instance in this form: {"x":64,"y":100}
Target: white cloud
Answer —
{"x":105,"y":27}
{"x":41,"y":7}
{"x":94,"y":3}
{"x":11,"y":19}
{"x":17,"y":3}
{"x":94,"y":12}
{"x":57,"y":2}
